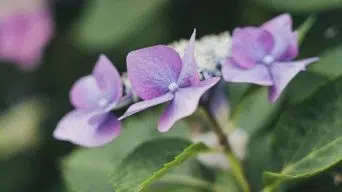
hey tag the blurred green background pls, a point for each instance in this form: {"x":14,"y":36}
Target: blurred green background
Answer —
{"x":32,"y":103}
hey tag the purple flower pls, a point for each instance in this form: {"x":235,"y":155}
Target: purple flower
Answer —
{"x":264,"y":56}
{"x":91,"y":124}
{"x":23,"y":37}
{"x":159,"y":75}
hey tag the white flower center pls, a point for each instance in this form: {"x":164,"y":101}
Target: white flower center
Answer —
{"x":173,"y":87}
{"x":268,"y":59}
{"x":103,"y":102}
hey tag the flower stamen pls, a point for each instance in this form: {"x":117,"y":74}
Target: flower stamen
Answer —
{"x":268,"y":59}
{"x":103,"y":102}
{"x":173,"y":87}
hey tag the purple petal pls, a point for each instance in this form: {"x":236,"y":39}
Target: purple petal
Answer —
{"x":259,"y":74}
{"x":283,"y":73}
{"x":189,"y":75}
{"x":292,"y":49}
{"x":85,"y":93}
{"x":107,"y":131}
{"x":281,"y":22}
{"x":250,"y":45}
{"x":87,"y":128}
{"x":99,"y":89}
{"x":140,"y":106}
{"x":108,"y":79}
{"x":151,"y":70}
{"x":285,"y":40}
{"x":184,"y":104}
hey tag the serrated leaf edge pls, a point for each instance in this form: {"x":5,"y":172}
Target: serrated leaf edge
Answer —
{"x":189,"y":151}
{"x":192,"y":149}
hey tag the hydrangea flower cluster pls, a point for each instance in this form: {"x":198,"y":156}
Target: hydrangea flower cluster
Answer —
{"x":179,"y":75}
{"x":159,"y":75}
{"x":91,"y":124}
{"x":263,"y":55}
{"x":25,"y":29}
{"x":210,"y":53}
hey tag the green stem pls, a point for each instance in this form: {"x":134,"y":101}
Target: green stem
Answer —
{"x":236,"y":166}
{"x":305,"y":27}
{"x":238,"y":171}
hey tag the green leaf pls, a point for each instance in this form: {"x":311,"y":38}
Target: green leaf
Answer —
{"x":106,"y":22}
{"x":329,"y":63}
{"x":172,"y":182}
{"x":303,"y":86}
{"x":150,"y":161}
{"x":189,"y":176}
{"x":236,"y":91}
{"x":330,"y":181}
{"x":258,"y":160}
{"x":89,"y":169}
{"x":171,"y":187}
{"x":254,"y":111}
{"x":225,"y":181}
{"x":301,"y":6}
{"x":308,"y":138}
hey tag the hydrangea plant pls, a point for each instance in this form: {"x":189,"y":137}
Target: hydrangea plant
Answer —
{"x":189,"y":77}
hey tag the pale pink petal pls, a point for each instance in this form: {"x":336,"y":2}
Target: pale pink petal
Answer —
{"x":142,"y":105}
{"x":250,"y":45}
{"x":285,"y":40}
{"x":283,"y":73}
{"x":184,"y":104}
{"x":189,"y":75}
{"x":259,"y":74}
{"x":151,"y":70}
{"x":87,"y":128}
{"x":108,"y":79}
{"x":279,"y":23}
{"x":292,"y":50}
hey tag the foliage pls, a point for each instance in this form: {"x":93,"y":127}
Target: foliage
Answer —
{"x":294,"y":144}
{"x":314,"y":129}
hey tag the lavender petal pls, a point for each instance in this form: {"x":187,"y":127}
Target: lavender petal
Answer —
{"x":283,"y":73}
{"x":142,"y":105}
{"x":85,"y":93}
{"x":108,"y":79}
{"x":184,"y":104}
{"x":189,"y":75}
{"x":250,"y":45}
{"x":259,"y":74}
{"x":285,"y":40}
{"x":87,"y":128}
{"x":151,"y":70}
